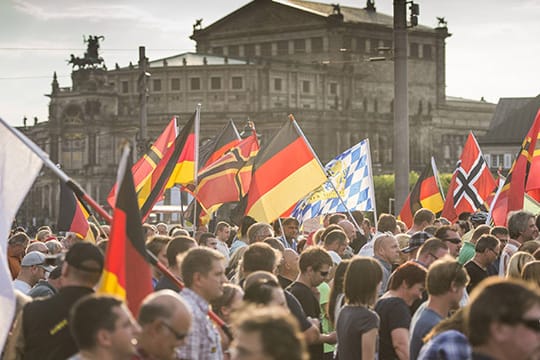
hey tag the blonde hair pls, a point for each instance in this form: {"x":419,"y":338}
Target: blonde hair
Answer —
{"x":531,"y":272}
{"x":516,"y":264}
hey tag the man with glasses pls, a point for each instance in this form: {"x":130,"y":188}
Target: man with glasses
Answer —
{"x":451,"y":237}
{"x":165,"y":320}
{"x":487,"y":250}
{"x":315,"y":264}
{"x":503,"y":320}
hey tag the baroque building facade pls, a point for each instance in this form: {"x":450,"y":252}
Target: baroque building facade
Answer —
{"x":262,"y":62}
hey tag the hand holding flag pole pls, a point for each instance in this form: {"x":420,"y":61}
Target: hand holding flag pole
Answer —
{"x":86,"y":199}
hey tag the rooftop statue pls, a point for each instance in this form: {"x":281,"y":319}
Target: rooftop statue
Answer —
{"x":91,"y":57}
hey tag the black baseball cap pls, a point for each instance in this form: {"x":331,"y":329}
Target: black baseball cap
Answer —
{"x":85,"y":256}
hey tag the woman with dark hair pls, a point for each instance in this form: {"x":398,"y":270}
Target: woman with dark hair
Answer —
{"x":265,"y":292}
{"x":357,"y":324}
{"x":406,"y":286}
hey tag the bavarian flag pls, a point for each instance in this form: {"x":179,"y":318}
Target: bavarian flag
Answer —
{"x":229,"y":177}
{"x":142,"y":170}
{"x":216,"y":147}
{"x":426,"y":194}
{"x":284,"y":172}
{"x":72,"y":216}
{"x":522,"y":179}
{"x":126,"y":273}
{"x":177,"y":167}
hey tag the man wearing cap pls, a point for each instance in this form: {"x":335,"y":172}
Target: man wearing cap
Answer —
{"x":290,"y":232}
{"x":33,"y":268}
{"x":49,"y":287}
{"x":417,"y":239}
{"x":45,"y":321}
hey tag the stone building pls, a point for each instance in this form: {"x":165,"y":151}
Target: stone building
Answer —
{"x":262,"y":62}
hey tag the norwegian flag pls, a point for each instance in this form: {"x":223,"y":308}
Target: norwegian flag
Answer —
{"x":471,"y":183}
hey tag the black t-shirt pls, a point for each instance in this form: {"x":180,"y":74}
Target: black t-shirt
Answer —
{"x":284,"y":282}
{"x":311,"y":307}
{"x":352,"y":323}
{"x":45,"y":325}
{"x":394,"y":314}
{"x":476,"y":273}
{"x":296,"y":310}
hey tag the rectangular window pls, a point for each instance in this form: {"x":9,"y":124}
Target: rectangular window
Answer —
{"x":266,"y":49}
{"x":306,"y":86}
{"x":283,"y":47}
{"x":233,"y":50}
{"x":333,"y":88}
{"x":277,"y":84}
{"x":218,"y":50}
{"x":426,"y":49}
{"x":156,"y":84}
{"x":299,"y":46}
{"x":175,"y":84}
{"x":125,"y":87}
{"x":317,"y":45}
{"x":414,"y":50}
{"x":195,"y":83}
{"x":215,"y":83}
{"x":237,"y":82}
{"x":361,"y":45}
{"x":249,"y":50}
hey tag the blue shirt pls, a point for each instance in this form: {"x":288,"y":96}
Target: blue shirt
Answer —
{"x":448,"y":345}
{"x":420,"y":326}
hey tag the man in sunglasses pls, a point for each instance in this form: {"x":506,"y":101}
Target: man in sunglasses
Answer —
{"x":165,"y":320}
{"x":503,"y":320}
{"x":451,"y":237}
{"x":315,"y":264}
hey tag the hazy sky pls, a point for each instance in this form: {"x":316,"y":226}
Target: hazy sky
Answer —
{"x":493,"y":51}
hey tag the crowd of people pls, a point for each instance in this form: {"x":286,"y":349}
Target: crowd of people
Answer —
{"x":348,"y":290}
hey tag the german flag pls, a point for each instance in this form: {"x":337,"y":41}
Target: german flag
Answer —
{"x":228,"y":178}
{"x":126,"y":272}
{"x":72,"y":216}
{"x":216,"y":147}
{"x":143,"y":169}
{"x":519,"y":182}
{"x":285,"y":171}
{"x":176,"y":168}
{"x":426,"y":194}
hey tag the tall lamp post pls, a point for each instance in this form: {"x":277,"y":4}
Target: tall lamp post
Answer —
{"x":401,"y":100}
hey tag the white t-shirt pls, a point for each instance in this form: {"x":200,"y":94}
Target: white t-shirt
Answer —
{"x":22,"y":286}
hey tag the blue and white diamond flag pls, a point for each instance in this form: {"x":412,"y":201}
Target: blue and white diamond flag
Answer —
{"x":352,"y":176}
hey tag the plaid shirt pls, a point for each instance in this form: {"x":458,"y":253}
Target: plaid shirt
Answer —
{"x":203,"y":341}
{"x":448,"y":345}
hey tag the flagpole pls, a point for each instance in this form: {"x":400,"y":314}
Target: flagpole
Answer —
{"x":291,"y":117}
{"x":196,"y":160}
{"x":372,"y":188}
{"x":82,"y":195}
{"x":436,"y":173}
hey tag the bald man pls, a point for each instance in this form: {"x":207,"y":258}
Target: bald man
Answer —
{"x":288,"y":268}
{"x":165,"y":319}
{"x":386,"y":250}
